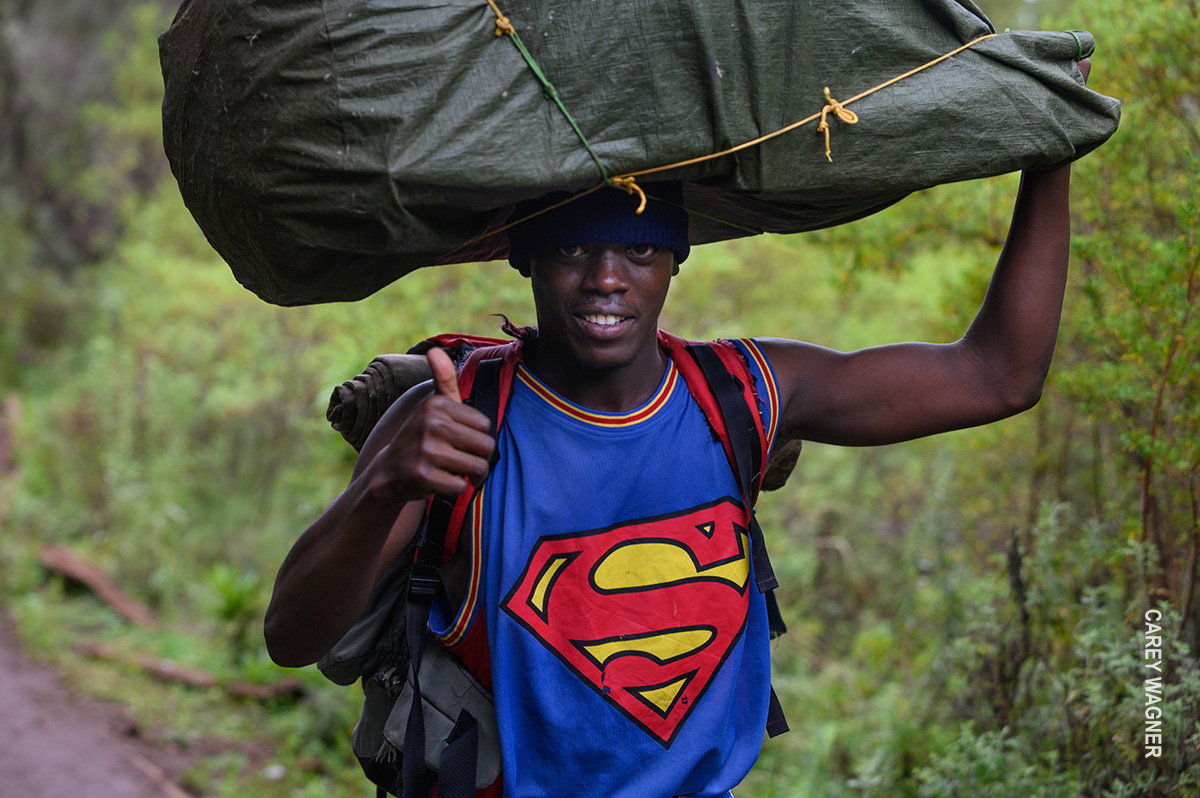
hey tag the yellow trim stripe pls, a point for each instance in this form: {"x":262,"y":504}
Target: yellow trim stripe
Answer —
{"x":772,"y":388}
{"x":462,"y":621}
{"x":603,"y":419}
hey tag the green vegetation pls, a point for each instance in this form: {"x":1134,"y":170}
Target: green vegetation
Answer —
{"x":966,"y":612}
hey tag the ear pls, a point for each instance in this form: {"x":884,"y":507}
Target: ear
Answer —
{"x":523,"y":269}
{"x":674,"y":268}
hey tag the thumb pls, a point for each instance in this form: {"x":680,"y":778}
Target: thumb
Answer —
{"x":445,"y":380}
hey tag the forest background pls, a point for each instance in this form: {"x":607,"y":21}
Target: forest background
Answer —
{"x":966,"y":612}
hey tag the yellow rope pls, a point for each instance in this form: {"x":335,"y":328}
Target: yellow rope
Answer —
{"x":841,"y":112}
{"x":535,"y":214}
{"x":503,"y":26}
{"x":630,"y":187}
{"x":628,"y":181}
{"x":831,"y":105}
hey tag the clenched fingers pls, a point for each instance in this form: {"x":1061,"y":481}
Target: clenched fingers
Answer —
{"x":461,"y":426}
{"x":445,"y":442}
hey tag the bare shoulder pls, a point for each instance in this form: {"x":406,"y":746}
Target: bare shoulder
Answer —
{"x":797,"y":363}
{"x":796,"y":367}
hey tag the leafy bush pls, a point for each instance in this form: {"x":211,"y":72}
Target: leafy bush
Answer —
{"x":965,"y":612}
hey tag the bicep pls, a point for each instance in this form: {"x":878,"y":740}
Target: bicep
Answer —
{"x":883,"y":394}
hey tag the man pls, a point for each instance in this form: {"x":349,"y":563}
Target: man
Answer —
{"x":613,"y":673}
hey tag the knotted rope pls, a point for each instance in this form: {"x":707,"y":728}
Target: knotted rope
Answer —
{"x":628,"y":180}
{"x":841,"y":112}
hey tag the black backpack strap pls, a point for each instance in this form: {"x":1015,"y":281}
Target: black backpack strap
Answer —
{"x":423,"y":585}
{"x":456,"y":768}
{"x":485,"y":397}
{"x":456,"y":776}
{"x":776,"y":723}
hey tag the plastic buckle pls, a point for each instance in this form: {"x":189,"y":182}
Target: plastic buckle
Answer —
{"x":423,"y":585}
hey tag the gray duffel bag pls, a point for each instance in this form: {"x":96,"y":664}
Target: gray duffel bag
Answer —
{"x":447,"y":689}
{"x":328,"y":148}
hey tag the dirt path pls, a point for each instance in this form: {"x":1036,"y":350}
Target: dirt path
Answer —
{"x":55,"y":746}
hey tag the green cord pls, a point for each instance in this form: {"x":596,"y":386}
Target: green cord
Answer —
{"x":552,"y":94}
{"x":1078,"y":43}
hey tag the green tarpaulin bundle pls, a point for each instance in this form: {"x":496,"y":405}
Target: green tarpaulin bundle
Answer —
{"x":327,"y":148}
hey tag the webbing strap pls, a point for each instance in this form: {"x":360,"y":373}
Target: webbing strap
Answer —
{"x":775,"y":624}
{"x":442,"y":510}
{"x":431,"y":548}
{"x":458,"y":761}
{"x":456,"y":766}
{"x":727,"y":390}
{"x":776,"y":723}
{"x":485,"y":396}
{"x":421,"y":588}
{"x":483,"y":384}
{"x":744,"y":440}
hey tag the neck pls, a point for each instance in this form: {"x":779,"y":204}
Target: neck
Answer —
{"x":613,"y":389}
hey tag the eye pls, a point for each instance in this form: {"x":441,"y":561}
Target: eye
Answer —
{"x":572,"y":251}
{"x":641,"y":250}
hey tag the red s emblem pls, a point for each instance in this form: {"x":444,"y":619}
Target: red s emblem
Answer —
{"x":644,"y":612}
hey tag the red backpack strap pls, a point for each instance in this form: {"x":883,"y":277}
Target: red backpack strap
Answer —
{"x":456,"y":342}
{"x":701,"y":363}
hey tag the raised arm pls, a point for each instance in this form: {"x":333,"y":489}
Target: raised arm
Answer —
{"x":425,"y":443}
{"x":898,"y":392}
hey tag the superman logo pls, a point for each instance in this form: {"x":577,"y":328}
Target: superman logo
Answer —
{"x":644,"y":612}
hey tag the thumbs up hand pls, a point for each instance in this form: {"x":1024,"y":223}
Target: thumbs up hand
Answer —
{"x":440,"y":442}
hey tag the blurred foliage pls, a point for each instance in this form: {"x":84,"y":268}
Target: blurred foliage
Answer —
{"x":965,"y":613}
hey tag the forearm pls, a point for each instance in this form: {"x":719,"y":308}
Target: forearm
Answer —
{"x":324,"y":582}
{"x":426,"y":443}
{"x":1017,"y":325}
{"x":902,"y":391}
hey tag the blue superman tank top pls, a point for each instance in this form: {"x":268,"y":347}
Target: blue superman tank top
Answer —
{"x":628,"y":641}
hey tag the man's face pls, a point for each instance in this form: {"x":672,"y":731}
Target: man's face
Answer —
{"x":598,"y":304}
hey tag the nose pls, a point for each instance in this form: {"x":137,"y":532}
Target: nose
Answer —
{"x":607,"y":272}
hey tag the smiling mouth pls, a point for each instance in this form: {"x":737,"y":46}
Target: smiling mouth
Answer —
{"x":602,"y":319}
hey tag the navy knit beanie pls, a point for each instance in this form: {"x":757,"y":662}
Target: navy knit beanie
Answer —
{"x":607,"y":215}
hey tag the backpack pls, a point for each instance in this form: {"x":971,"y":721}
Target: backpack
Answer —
{"x":402,"y":666}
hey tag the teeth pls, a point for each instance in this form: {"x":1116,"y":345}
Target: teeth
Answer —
{"x":603,"y":321}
